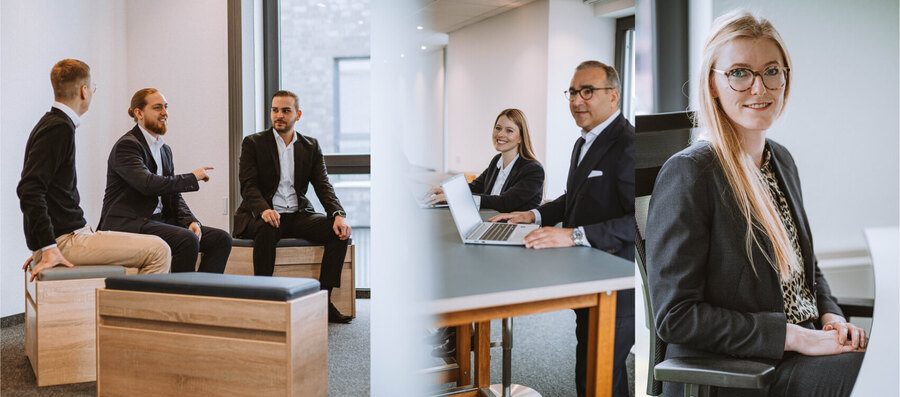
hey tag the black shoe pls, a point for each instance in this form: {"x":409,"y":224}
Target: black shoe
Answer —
{"x":334,"y":316}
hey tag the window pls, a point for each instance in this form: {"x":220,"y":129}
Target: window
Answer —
{"x":625,"y":64}
{"x":320,"y":51}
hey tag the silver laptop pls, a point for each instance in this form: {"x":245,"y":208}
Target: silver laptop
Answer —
{"x":471,"y":228}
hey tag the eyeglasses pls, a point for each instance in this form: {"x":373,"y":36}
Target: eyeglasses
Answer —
{"x":93,"y":88}
{"x":741,"y":79}
{"x":585,"y":92}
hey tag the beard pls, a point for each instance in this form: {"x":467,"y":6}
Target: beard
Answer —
{"x":155,"y":127}
{"x":288,"y":127}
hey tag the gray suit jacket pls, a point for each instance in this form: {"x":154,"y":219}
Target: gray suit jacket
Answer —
{"x":706,"y":298}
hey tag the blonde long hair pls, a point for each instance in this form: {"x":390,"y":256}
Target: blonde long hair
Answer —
{"x":741,"y":171}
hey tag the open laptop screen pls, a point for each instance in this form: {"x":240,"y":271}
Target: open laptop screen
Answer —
{"x":462,"y":206}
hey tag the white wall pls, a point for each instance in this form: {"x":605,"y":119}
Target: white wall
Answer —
{"x":29,"y":52}
{"x":840,"y":122}
{"x":575,"y":35}
{"x":425,"y":147}
{"x":492,"y":65}
{"x":178,"y":47}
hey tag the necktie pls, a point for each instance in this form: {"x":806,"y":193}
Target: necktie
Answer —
{"x":575,"y":155}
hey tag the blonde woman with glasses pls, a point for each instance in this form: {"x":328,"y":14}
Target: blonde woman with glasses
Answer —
{"x":730,"y":259}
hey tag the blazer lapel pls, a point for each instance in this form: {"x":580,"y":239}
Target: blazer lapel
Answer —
{"x":151,"y":164}
{"x":165,"y":154}
{"x":492,"y":175}
{"x":271,"y":147}
{"x":791,"y":193}
{"x":598,"y":148}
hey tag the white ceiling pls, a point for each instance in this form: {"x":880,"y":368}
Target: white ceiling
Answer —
{"x":445,"y":16}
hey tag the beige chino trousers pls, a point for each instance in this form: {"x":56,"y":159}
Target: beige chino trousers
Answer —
{"x":147,"y":253}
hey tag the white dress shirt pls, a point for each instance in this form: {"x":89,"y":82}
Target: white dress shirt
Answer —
{"x":285,"y":198}
{"x":589,"y":138}
{"x":155,"y":145}
{"x":69,"y":112}
{"x":501,"y":179}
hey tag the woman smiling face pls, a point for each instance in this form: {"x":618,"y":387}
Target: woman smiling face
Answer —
{"x":753,"y":110}
{"x":506,"y":135}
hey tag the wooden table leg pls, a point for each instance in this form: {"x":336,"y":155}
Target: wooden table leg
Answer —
{"x":464,"y":354}
{"x":601,"y":343}
{"x":482,"y":363}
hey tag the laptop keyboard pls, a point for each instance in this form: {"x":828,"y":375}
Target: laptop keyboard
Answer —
{"x":499,"y":231}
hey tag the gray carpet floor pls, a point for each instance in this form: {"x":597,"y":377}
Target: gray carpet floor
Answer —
{"x":543,"y":355}
{"x":348,"y":361}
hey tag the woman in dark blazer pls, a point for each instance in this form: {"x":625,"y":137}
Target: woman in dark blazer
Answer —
{"x":514,"y":180}
{"x":730,"y":260}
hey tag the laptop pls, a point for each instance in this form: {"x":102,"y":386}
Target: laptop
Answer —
{"x":471,"y":228}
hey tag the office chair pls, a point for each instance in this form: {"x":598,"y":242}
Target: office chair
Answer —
{"x":658,"y":137}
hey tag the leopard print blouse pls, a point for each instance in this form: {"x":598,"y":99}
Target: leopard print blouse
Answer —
{"x":799,"y":302}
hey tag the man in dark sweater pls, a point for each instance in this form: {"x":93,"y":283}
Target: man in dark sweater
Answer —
{"x":55,"y":228}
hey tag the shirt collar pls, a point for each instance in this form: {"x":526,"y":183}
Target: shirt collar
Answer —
{"x":500,"y":164}
{"x":69,"y":112}
{"x":280,"y":142}
{"x":151,"y":141}
{"x":595,"y":132}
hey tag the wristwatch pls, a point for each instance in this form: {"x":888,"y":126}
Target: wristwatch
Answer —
{"x":578,"y":236}
{"x":337,"y":213}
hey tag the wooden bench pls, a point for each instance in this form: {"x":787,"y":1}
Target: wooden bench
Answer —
{"x":296,"y":257}
{"x":200,"y":334}
{"x":60,"y":324}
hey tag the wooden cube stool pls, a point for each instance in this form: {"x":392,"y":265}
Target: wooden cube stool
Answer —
{"x":295,"y":257}
{"x":60,"y":324}
{"x":201,"y":334}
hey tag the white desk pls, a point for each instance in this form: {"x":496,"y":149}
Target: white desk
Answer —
{"x":880,"y":372}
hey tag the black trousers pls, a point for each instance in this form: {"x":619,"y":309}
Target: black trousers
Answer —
{"x":624,"y":341}
{"x":215,"y":244}
{"x":797,"y":375}
{"x":317,"y":228}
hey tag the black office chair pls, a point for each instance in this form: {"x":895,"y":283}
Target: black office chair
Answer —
{"x":658,"y":137}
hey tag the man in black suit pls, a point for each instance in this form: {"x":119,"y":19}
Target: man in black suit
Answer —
{"x":597,"y":209}
{"x":143,"y":194}
{"x":277,"y":166}
{"x":55,"y":228}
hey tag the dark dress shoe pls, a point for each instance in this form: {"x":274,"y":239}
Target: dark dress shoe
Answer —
{"x":334,"y":316}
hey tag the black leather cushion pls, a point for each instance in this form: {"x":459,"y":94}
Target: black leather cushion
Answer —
{"x":285,"y":242}
{"x":224,"y":285}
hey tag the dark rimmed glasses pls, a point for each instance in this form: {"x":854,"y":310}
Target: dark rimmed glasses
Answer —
{"x":741,"y":79}
{"x":585,"y":92}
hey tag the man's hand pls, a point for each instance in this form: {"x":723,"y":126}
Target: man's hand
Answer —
{"x":49,"y":258}
{"x":549,"y":237}
{"x":195,"y":227}
{"x":271,"y":217}
{"x":341,"y":228}
{"x":858,"y":339}
{"x":435,"y":195}
{"x":514,"y":217}
{"x":200,"y":173}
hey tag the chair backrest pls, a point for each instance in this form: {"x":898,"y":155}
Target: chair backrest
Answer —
{"x":657,"y":137}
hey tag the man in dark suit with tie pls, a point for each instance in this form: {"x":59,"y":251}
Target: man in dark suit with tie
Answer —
{"x":143,"y":194}
{"x":277,"y":166}
{"x":597,"y":209}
